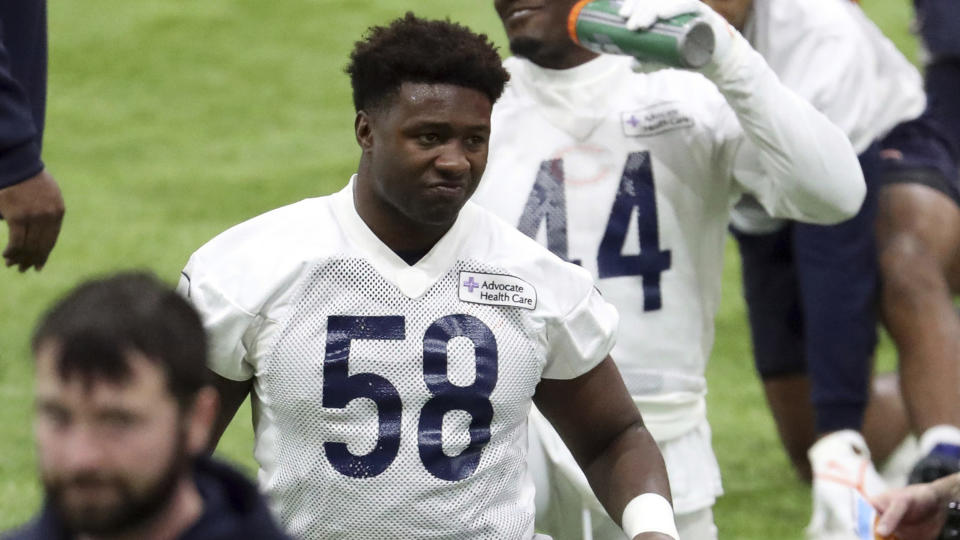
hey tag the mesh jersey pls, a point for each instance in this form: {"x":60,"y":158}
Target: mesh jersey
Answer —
{"x":632,"y":176}
{"x":390,"y":401}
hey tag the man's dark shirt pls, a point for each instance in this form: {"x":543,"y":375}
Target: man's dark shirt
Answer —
{"x":233,"y":509}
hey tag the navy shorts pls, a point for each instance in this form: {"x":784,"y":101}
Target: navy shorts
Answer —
{"x":921,"y":151}
{"x":811,"y":300}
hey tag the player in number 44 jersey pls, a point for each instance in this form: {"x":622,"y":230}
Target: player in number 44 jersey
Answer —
{"x":632,"y":176}
{"x":394,"y":335}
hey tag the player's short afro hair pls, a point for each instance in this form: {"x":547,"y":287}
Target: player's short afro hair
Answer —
{"x":418,"y":50}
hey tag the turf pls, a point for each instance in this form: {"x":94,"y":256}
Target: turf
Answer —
{"x":170,"y":121}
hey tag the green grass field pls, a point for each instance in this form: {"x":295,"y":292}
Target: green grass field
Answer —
{"x":170,"y":121}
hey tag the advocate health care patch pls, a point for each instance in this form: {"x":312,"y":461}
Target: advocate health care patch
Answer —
{"x":496,"y":290}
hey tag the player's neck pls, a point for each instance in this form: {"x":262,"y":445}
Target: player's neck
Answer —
{"x":403,"y":236}
{"x":396,"y":230}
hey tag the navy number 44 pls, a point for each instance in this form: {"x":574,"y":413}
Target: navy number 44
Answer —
{"x":340,"y":388}
{"x":547,"y":203}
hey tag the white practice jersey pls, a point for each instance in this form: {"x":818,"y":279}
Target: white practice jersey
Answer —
{"x":832,"y":55}
{"x":391,"y":401}
{"x":632,"y":176}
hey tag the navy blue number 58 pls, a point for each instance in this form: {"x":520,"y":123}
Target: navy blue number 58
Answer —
{"x":547,"y":202}
{"x":339,"y":388}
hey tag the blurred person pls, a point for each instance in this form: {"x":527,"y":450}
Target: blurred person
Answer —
{"x":812,"y":291}
{"x":393,"y":335}
{"x":918,"y":235}
{"x":30,"y":199}
{"x":123,"y":417}
{"x":632,"y":176}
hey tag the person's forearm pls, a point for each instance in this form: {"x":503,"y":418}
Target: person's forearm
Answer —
{"x":628,"y":467}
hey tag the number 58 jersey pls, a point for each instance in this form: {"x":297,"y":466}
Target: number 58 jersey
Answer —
{"x":390,"y":401}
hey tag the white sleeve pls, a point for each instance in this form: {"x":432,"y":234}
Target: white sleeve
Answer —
{"x":797,"y":163}
{"x":580,"y":340}
{"x":226,"y":323}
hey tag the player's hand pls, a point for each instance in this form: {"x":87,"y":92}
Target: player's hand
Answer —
{"x":913,"y":512}
{"x":34,"y":211}
{"x":642,"y":14}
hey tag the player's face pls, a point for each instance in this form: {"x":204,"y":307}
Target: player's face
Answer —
{"x":537,"y":30}
{"x":110,"y":454}
{"x":427,"y":150}
{"x":734,"y":11}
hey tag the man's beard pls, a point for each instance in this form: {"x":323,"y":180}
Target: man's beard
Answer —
{"x":133,"y":509}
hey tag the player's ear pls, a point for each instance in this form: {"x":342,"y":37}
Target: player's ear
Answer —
{"x":363,"y":129}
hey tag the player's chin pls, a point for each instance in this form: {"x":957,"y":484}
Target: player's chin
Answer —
{"x":526,"y":46}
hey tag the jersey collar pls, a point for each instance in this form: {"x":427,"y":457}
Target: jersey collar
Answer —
{"x":574,"y":100}
{"x":413,"y":281}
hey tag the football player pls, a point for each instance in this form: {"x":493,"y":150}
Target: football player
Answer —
{"x":811,"y":290}
{"x":394,"y":335}
{"x":632,"y":176}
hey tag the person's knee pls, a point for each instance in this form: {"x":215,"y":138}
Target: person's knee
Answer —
{"x":907,"y":264}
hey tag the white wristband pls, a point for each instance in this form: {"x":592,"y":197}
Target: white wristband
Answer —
{"x":649,"y":513}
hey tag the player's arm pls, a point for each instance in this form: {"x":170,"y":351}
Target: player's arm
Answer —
{"x":30,"y":199}
{"x":19,"y":137}
{"x":225,"y":323}
{"x":794,"y":160}
{"x":231,"y":393}
{"x":600,"y":424}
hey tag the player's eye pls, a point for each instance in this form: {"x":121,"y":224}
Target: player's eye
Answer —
{"x":428,"y":139}
{"x":476,"y":141}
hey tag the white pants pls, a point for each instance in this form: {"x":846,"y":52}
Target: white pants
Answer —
{"x":568,"y":510}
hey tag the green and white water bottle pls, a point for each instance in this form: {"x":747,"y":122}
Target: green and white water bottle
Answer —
{"x":685,"y":41}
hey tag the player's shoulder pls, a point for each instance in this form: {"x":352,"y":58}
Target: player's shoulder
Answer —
{"x":281,"y":232}
{"x":499,"y":244}
{"x":250,"y":262}
{"x":793,"y":21}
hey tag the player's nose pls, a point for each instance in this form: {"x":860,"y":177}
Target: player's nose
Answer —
{"x":452,"y":159}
